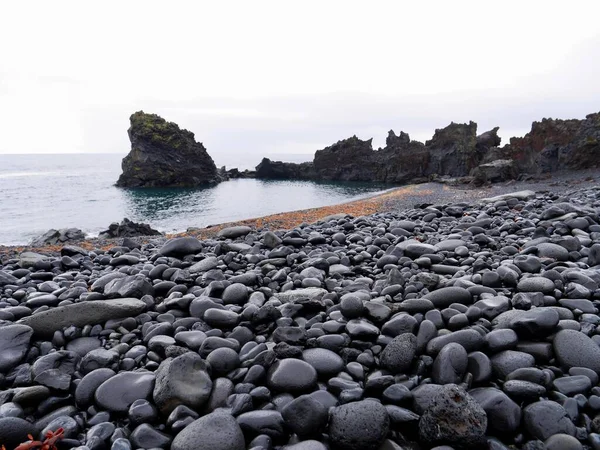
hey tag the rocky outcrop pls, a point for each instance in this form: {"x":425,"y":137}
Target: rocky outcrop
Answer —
{"x":163,"y":155}
{"x":453,"y":150}
{"x":555,"y":144}
{"x":349,"y":160}
{"x":127,"y":228}
{"x":58,"y":237}
{"x":495,"y":171}
{"x":278,"y":170}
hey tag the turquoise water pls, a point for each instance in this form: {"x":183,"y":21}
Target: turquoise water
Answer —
{"x":39,"y":192}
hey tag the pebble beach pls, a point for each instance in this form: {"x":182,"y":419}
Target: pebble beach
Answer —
{"x":430,"y":316}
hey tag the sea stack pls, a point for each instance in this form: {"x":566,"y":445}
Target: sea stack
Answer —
{"x":164,"y":155}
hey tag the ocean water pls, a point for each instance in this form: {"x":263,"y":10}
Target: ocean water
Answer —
{"x":39,"y":192}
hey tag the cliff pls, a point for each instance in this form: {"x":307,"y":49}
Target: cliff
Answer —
{"x":455,"y":151}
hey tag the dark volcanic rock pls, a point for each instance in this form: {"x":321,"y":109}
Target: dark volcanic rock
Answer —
{"x":215,"y":431}
{"x":453,"y":150}
{"x":163,"y":155}
{"x":453,"y":417}
{"x":360,"y":425}
{"x":279,"y":170}
{"x":555,"y":144}
{"x":127,"y":228}
{"x":14,"y":343}
{"x":45,"y":323}
{"x":57,"y":237}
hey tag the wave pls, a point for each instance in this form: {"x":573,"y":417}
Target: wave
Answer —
{"x":27,"y":174}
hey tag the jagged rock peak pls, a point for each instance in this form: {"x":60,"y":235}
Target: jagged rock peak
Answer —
{"x":401,"y":140}
{"x":164,"y":155}
{"x":488,"y":139}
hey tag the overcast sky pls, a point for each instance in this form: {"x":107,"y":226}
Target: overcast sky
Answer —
{"x":279,"y":76}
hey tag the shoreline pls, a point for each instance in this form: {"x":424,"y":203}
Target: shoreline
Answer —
{"x":393,"y":199}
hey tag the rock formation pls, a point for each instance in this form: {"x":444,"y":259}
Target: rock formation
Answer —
{"x":454,"y":151}
{"x":163,"y":155}
{"x":58,"y":237}
{"x":127,"y":228}
{"x":278,"y":170}
{"x":555,"y":144}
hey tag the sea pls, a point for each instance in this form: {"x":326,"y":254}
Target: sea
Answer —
{"x":39,"y":192}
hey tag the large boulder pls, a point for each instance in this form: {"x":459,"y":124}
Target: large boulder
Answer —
{"x":163,"y":155}
{"x":58,"y":237}
{"x":127,"y":228}
{"x":45,"y":323}
{"x":495,"y":171}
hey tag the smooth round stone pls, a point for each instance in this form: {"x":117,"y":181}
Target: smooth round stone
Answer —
{"x":398,"y":355}
{"x":83,"y":345}
{"x":450,"y":365}
{"x":523,"y":390}
{"x":221,"y":318}
{"x":84,"y":393}
{"x":190,"y":339}
{"x":536,"y":284}
{"x":215,"y":431}
{"x":562,"y":442}
{"x":470,"y":339}
{"x":508,"y":361}
{"x":305,"y":416}
{"x":145,"y":436}
{"x":181,"y":246}
{"x":572,"y":385}
{"x":351,"y":306}
{"x":310,"y":444}
{"x":545,"y":418}
{"x":14,"y":431}
{"x":360,"y":328}
{"x":444,"y":297}
{"x":504,"y":415}
{"x":14,"y":342}
{"x":361,"y":425}
{"x":223,"y":360}
{"x":118,"y":392}
{"x":259,"y":422}
{"x":236,"y":293}
{"x":479,"y":366}
{"x":67,"y":423}
{"x":325,"y":362}
{"x":575,"y":349}
{"x":292,"y":375}
{"x":502,"y":339}
{"x":554,"y":251}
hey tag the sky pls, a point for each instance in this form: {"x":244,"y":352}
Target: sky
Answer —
{"x":266,"y":77}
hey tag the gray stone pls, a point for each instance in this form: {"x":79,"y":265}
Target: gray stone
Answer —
{"x":362,"y":425}
{"x":14,"y":343}
{"x":184,"y":380}
{"x":453,"y":418}
{"x":45,"y":323}
{"x":118,"y":392}
{"x":215,"y":431}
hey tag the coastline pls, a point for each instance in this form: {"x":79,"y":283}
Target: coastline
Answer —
{"x":393,"y":199}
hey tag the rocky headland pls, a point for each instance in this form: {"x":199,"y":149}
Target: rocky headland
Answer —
{"x":470,"y":324}
{"x":455,"y":151}
{"x":164,"y":155}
